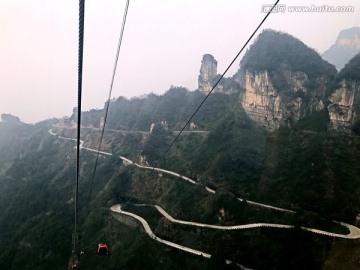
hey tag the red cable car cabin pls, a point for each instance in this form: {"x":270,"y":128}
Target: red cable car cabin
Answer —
{"x":103,"y":250}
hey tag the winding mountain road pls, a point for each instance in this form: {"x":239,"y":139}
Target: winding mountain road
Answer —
{"x":117,"y":209}
{"x":354,"y":231}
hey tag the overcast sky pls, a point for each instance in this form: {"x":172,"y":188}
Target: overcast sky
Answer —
{"x":163,"y":44}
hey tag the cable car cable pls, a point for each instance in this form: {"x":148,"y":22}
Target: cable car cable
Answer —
{"x":192,"y":116}
{"x":214,"y":86}
{"x":80,"y":71}
{"x":107,"y":104}
{"x":212,"y":89}
{"x":74,"y":254}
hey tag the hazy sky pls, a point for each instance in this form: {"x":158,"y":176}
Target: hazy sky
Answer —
{"x":163,"y":44}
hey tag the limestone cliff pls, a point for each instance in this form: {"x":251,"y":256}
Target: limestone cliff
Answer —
{"x":344,"y":107}
{"x":261,"y":101}
{"x":347,"y":45}
{"x":283,"y":80}
{"x":208,"y":72}
{"x":272,"y":108}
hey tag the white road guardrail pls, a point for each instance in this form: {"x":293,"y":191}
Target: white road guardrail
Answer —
{"x":354,"y":231}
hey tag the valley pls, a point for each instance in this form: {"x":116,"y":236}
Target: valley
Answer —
{"x":264,"y":176}
{"x":354,"y":232}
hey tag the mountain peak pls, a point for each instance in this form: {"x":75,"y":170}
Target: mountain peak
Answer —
{"x":275,"y":50}
{"x":352,"y":33}
{"x":347,"y":45}
{"x":283,"y":80}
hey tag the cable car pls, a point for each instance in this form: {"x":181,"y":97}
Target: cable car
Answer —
{"x":103,"y":249}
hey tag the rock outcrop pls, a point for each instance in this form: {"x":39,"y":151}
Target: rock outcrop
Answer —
{"x":261,"y":101}
{"x":208,"y":72}
{"x":347,"y":45}
{"x":344,"y":107}
{"x":272,"y":108}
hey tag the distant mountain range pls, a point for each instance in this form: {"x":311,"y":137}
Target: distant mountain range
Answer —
{"x":346,"y":46}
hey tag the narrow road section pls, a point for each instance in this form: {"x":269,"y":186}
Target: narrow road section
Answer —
{"x":117,"y":209}
{"x":354,"y":231}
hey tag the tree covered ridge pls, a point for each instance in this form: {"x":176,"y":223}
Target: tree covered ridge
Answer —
{"x":302,"y":167}
{"x":273,"y":50}
{"x":175,"y":107}
{"x":351,"y":71}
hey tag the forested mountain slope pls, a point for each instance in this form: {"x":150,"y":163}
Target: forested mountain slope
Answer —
{"x":304,"y":166}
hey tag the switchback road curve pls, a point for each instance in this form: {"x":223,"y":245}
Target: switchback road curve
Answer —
{"x":354,"y":231}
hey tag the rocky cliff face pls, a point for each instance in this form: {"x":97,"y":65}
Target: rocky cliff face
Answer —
{"x":271,"y":107}
{"x":261,"y":101}
{"x":208,"y":72}
{"x":347,"y":45}
{"x":281,"y":86}
{"x":282,"y":81}
{"x":342,"y":108}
